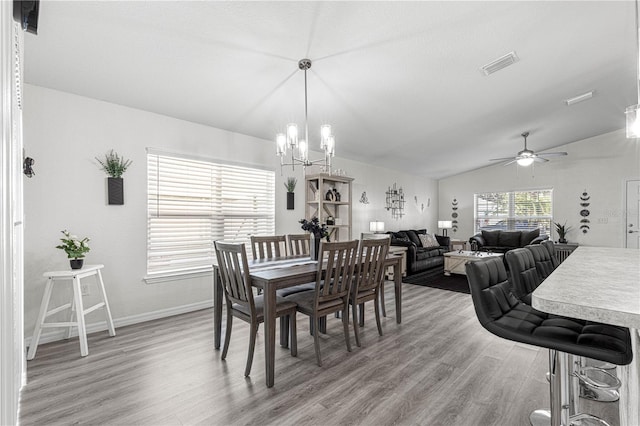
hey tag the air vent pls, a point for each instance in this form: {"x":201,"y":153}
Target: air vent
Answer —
{"x":500,"y":63}
{"x":579,"y":98}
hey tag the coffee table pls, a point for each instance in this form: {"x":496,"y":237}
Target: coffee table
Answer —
{"x":454,"y":261}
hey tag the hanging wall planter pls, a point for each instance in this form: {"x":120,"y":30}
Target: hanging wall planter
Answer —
{"x":290,"y":184}
{"x":115,"y":191}
{"x":114,"y":166}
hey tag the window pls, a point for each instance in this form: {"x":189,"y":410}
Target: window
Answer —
{"x":193,"y":202}
{"x":517,"y":210}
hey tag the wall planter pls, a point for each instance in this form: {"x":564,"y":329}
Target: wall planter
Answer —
{"x":115,"y":191}
{"x":114,"y":166}
{"x":291,"y":200}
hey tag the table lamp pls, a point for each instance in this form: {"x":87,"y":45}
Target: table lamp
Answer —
{"x":444,"y":225}
{"x":376,"y":227}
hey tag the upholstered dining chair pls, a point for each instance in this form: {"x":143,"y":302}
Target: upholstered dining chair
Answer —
{"x":331,"y":292}
{"x":544,"y":262}
{"x":551,"y":248}
{"x":240,"y":301}
{"x":368,"y":285}
{"x":268,"y":247}
{"x":298,"y":244}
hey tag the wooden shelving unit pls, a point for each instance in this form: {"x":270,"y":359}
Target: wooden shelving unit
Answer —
{"x":317,"y":204}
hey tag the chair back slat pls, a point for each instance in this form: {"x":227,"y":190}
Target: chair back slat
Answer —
{"x":340,"y":270}
{"x":268,"y":247}
{"x":371,"y":257}
{"x":299,"y":243}
{"x":234,"y":273}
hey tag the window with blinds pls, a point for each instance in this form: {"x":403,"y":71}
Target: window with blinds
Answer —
{"x":193,"y":202}
{"x":514,"y":211}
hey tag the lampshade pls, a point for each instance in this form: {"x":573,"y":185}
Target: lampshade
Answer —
{"x":633,"y":121}
{"x":376,"y":226}
{"x":445,"y":224}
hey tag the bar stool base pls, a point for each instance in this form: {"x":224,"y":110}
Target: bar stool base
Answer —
{"x":540,"y":418}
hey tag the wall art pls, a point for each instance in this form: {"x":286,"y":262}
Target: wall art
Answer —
{"x":454,"y":215}
{"x":584,"y":212}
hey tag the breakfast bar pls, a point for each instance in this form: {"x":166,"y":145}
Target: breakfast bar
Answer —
{"x":601,"y":284}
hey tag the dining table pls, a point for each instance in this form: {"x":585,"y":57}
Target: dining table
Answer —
{"x":601,"y":284}
{"x":278,"y":273}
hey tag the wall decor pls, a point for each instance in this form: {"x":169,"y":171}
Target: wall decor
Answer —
{"x":420,"y":206}
{"x":395,"y":201}
{"x":114,"y":166}
{"x":363,"y":198}
{"x":584,"y":212}
{"x":454,"y":215}
{"x":290,"y":184}
{"x":27,"y":167}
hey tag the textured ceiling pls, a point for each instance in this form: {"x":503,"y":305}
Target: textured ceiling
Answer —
{"x":399,"y":81}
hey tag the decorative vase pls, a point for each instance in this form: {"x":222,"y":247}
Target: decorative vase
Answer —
{"x":76,"y":263}
{"x":115,"y":191}
{"x":314,"y":246}
{"x":290,"y":200}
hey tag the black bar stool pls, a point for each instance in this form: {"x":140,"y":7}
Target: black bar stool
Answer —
{"x":501,"y":313}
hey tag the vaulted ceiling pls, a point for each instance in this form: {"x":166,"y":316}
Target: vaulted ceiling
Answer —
{"x":399,"y":81}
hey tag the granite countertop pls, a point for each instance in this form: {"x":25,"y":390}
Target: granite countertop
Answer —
{"x":594,"y":283}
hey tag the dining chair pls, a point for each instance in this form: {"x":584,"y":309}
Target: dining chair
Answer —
{"x":334,"y":279}
{"x":298,"y":243}
{"x":368,"y":284}
{"x":268,"y":247}
{"x":378,"y":236}
{"x":240,"y":301}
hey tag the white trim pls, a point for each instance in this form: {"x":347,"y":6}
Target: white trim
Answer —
{"x":61,"y":334}
{"x":12,"y":359}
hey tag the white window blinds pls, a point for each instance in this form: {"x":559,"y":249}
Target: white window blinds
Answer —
{"x":516,"y":210}
{"x":192,"y":203}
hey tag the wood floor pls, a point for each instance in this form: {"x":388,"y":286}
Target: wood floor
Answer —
{"x":439,"y":367}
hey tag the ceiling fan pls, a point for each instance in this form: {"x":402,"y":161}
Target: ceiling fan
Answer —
{"x":526,"y":157}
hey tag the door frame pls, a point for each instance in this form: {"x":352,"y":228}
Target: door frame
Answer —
{"x":626,"y":210}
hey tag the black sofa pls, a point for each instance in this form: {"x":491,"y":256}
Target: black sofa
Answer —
{"x":499,"y":241}
{"x":420,"y":258}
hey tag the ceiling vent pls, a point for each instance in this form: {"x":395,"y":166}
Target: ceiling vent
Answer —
{"x":579,"y":98}
{"x":500,"y":63}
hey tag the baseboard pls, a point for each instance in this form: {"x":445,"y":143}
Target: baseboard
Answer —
{"x":61,"y":334}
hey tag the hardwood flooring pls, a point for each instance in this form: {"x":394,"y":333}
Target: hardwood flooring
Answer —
{"x":439,"y":367}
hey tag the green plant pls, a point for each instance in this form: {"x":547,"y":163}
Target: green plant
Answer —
{"x":562,"y":229}
{"x":113,"y":164}
{"x":73,"y":246}
{"x":290,"y":184}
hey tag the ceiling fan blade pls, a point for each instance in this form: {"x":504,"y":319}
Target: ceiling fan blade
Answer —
{"x":502,"y":159}
{"x":552,"y":154}
{"x":510,"y":162}
{"x":540,"y":159}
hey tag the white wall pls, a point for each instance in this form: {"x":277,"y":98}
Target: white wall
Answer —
{"x":599,"y":165}
{"x":64,"y":132}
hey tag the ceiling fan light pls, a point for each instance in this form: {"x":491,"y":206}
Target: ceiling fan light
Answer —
{"x":633,"y":121}
{"x":526,"y":161}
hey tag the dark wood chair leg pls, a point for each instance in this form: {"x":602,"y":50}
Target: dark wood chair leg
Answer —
{"x":293,"y":334}
{"x":284,"y":331}
{"x":354,"y":308}
{"x":227,"y":334}
{"x":316,"y":342}
{"x":252,"y":347}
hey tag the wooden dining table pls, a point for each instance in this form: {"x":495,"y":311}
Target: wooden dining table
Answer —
{"x":274,"y":274}
{"x":601,"y":284}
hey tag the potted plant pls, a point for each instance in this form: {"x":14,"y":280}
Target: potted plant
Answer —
{"x":318,"y":231}
{"x":114,"y":165}
{"x":290,"y":184}
{"x":562,"y":231}
{"x":75,"y":248}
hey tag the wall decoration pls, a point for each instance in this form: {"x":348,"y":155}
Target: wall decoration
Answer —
{"x":363,"y":198}
{"x":395,"y":201}
{"x":454,"y":215}
{"x":420,"y":206}
{"x":584,"y":203}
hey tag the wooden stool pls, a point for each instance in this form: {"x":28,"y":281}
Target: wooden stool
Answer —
{"x":76,"y":306}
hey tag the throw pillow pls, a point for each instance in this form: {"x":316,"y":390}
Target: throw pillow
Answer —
{"x":413,"y":236}
{"x":509,"y":239}
{"x":490,"y":238}
{"x":527,"y":237}
{"x":428,"y":240}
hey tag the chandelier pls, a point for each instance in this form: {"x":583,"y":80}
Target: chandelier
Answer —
{"x":289,"y":140}
{"x":633,"y":112}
